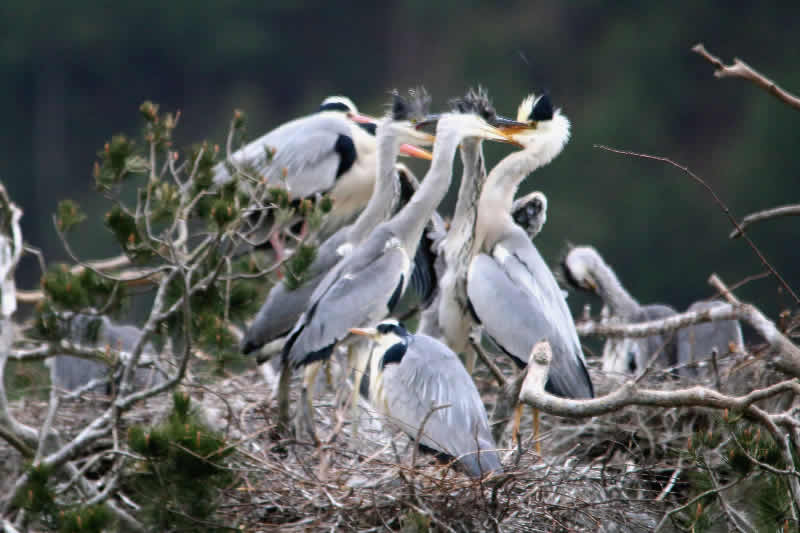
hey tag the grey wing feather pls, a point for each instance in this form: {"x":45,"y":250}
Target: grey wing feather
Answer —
{"x":283,"y":306}
{"x":696,"y":343}
{"x":303,"y":152}
{"x":354,"y":294}
{"x":666,"y":343}
{"x":519,"y":303}
{"x":70,"y":373}
{"x":430,"y":375}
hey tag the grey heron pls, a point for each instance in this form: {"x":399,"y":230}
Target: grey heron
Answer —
{"x":699,"y":341}
{"x":284,"y":305}
{"x":585,"y":269}
{"x":452,"y":316}
{"x":365,"y":286}
{"x":332,"y":151}
{"x":530,"y":212}
{"x":71,"y":373}
{"x":413,"y":375}
{"x":511,"y":290}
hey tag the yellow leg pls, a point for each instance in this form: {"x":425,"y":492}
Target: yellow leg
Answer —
{"x":536,"y":432}
{"x":358,"y":351}
{"x":469,"y":360}
{"x":515,"y":424}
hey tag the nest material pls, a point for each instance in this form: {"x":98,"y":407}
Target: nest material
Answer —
{"x":610,"y":473}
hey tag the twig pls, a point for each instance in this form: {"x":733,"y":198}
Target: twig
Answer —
{"x":717,"y":200}
{"x":487,"y":360}
{"x":740,"y":69}
{"x":766,"y":214}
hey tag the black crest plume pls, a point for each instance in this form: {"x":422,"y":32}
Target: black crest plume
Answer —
{"x":413,"y":107}
{"x":475,"y":101}
{"x":542,"y":109}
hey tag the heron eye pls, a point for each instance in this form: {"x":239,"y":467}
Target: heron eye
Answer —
{"x":385,"y":328}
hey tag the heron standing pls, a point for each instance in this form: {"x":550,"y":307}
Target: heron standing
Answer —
{"x":416,"y":380}
{"x":330,"y":152}
{"x":284,"y":305}
{"x":510,"y":288}
{"x":365,"y":287}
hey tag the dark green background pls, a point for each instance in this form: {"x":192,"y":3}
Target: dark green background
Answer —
{"x":74,"y":73}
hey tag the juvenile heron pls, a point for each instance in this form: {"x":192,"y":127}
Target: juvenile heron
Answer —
{"x":365,"y":286}
{"x":452,"y":314}
{"x":284,"y":305}
{"x":413,"y":375}
{"x":511,"y":289}
{"x":697,"y":342}
{"x":585,"y":269}
{"x":71,"y":373}
{"x":530,"y":213}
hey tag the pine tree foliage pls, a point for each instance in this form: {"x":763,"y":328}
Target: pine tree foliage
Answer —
{"x":182,"y":468}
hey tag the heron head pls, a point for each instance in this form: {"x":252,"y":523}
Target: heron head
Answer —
{"x":466,"y":125}
{"x":345,"y":106}
{"x":546,"y":129}
{"x":578,"y":266}
{"x":389,"y":329}
{"x":407,"y":111}
{"x":530,"y":212}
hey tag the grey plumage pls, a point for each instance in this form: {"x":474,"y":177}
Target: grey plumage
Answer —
{"x":364,"y":285}
{"x":325,"y":152}
{"x":70,"y":373}
{"x":585,"y":269}
{"x":530,"y":212}
{"x":696,"y":343}
{"x":358,"y":290}
{"x":519,"y":303}
{"x":283,"y":305}
{"x":428,"y":374}
{"x":512,"y":291}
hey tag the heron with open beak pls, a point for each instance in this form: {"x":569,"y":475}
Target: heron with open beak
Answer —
{"x":366,"y":286}
{"x":511,"y":290}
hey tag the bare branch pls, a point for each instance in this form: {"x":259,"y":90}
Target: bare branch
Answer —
{"x":718,"y":201}
{"x":766,"y":214}
{"x":740,"y":69}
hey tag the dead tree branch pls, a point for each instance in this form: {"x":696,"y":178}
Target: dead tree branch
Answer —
{"x":786,"y":355}
{"x":740,"y":69}
{"x":766,"y":214}
{"x":719,"y":203}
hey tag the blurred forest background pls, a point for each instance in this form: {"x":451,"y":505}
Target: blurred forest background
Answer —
{"x":75,"y":73}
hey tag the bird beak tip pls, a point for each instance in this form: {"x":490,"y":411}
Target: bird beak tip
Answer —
{"x":361,"y":119}
{"x":414,"y":151}
{"x":364,"y":332}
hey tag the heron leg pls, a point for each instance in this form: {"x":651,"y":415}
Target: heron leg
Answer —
{"x":357,"y":361}
{"x":283,"y":397}
{"x":536,"y":432}
{"x":307,"y":396}
{"x":516,"y":423}
{"x":470,"y":357}
{"x":276,"y":240}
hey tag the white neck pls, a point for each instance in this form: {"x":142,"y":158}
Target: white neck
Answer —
{"x":497,"y":198}
{"x":462,"y":228}
{"x":410,"y":221}
{"x":386,"y":193}
{"x":611,"y":291}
